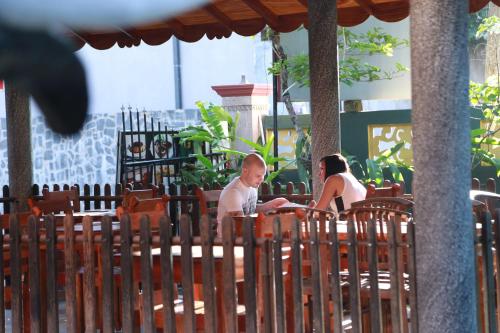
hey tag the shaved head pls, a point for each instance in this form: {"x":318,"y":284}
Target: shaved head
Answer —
{"x":253,"y":160}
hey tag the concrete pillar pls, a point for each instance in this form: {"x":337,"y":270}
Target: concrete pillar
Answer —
{"x":442,"y":181}
{"x":19,"y":144}
{"x":325,"y":116}
{"x":252,"y":101}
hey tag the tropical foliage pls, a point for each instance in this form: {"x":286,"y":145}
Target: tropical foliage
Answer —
{"x":485,"y":98}
{"x":352,"y":48}
{"x":219,"y":131}
{"x":384,"y":167}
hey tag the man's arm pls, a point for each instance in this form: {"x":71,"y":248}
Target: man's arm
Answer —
{"x":275,"y":203}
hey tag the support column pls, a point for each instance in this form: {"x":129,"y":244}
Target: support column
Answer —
{"x":442,"y":180}
{"x":19,"y":145}
{"x":325,"y":117}
{"x":251,"y":101}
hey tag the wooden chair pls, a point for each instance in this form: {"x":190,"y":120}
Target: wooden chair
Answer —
{"x":392,"y":191}
{"x":385,"y":202}
{"x":208,"y":201}
{"x":54,"y":202}
{"x":392,"y":271}
{"x":72,"y":195}
{"x":139,"y":194}
{"x":144,"y":206}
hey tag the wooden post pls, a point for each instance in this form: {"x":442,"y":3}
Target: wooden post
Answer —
{"x":325,"y":116}
{"x":441,"y":184}
{"x":19,"y":145}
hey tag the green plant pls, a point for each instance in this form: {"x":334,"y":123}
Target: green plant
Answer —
{"x":485,"y":98}
{"x":385,"y":166}
{"x":267,"y":154}
{"x":352,"y":68}
{"x":204,"y":171}
{"x":215,"y":120}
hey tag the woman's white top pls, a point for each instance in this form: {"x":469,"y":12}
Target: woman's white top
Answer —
{"x":353,"y":191}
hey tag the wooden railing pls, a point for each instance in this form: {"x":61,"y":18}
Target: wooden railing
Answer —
{"x":117,"y":278}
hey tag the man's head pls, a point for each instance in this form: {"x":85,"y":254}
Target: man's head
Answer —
{"x":253,"y":170}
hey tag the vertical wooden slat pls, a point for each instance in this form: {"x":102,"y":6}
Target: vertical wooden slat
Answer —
{"x":16,"y":284}
{"x":167,"y":277}
{"x":70,"y":274}
{"x":2,"y":277}
{"x":323,"y":247}
{"x":478,"y":278}
{"x":352,"y":262}
{"x":52,"y":303}
{"x":231,"y":324}
{"x":187,"y":274}
{"x":89,"y":296}
{"x":195,"y":216}
{"x":277,"y":188}
{"x":209,"y":296}
{"x":396,"y":301}
{"x":174,"y":209}
{"x":147,"y":275}
{"x":6,"y":205}
{"x":267,"y":285}
{"x":118,"y":195}
{"x":107,"y":195}
{"x":412,"y":278}
{"x":86,"y":194}
{"x":298,"y":309}
{"x":335,"y":279}
{"x":375,"y":313}
{"x":497,"y":263}
{"x":34,"y":275}
{"x":316,"y":281}
{"x":107,"y":278}
{"x":126,"y":274}
{"x":488,"y":272}
{"x":249,"y":270}
{"x":278,"y":275}
{"x":475,"y":185}
{"x":97,"y":193}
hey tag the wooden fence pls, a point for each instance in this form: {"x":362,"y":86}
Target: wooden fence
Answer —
{"x":327,"y":275}
{"x":128,"y":278}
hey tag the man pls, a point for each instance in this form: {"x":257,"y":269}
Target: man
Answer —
{"x":239,"y":197}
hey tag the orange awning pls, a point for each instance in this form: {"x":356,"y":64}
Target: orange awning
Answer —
{"x":220,"y":18}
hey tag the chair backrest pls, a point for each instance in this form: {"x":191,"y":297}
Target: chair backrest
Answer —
{"x":380,"y":217}
{"x":208,"y":201}
{"x":139,"y":194}
{"x":61,"y":196}
{"x":385,"y":202}
{"x":135,"y":219}
{"x":145,"y":205}
{"x":391,"y":191}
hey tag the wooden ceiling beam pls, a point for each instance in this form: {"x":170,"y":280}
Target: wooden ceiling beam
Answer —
{"x":219,"y":16}
{"x":271,"y":18}
{"x":366,"y":5}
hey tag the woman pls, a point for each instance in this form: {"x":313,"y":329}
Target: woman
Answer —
{"x":340,"y":187}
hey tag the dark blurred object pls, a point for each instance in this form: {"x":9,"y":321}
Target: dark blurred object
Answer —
{"x":47,"y":69}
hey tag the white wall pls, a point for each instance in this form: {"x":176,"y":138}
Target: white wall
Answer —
{"x":218,"y":62}
{"x":143,"y":76}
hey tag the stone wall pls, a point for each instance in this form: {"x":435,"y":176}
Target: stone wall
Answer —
{"x":88,"y":157}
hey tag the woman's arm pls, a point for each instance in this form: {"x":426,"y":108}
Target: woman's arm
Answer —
{"x":332,"y":188}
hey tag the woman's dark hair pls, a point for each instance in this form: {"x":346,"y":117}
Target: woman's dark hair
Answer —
{"x":334,"y":164}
